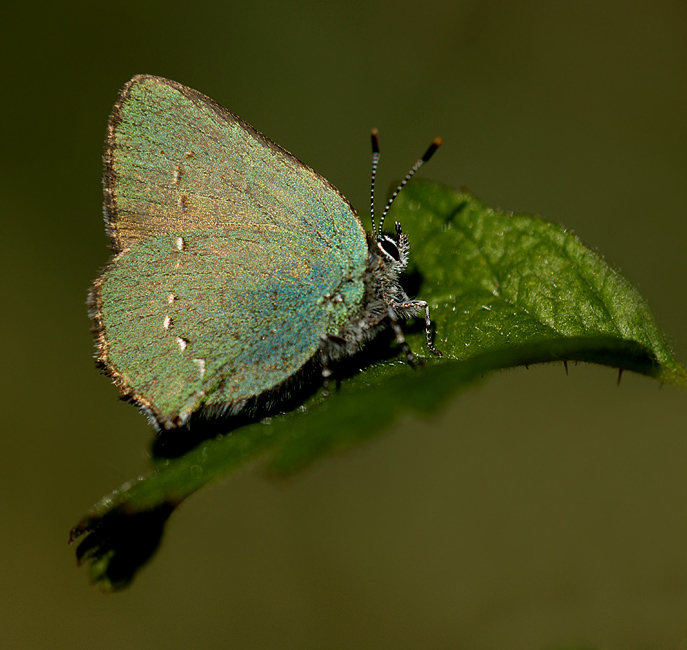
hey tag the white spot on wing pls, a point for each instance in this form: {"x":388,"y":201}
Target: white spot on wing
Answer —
{"x":201,"y":366}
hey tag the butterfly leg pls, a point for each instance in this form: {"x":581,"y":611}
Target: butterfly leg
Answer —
{"x":415,"y":305}
{"x":401,"y":339}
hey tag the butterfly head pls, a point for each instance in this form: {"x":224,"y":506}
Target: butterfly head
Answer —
{"x":393,"y":249}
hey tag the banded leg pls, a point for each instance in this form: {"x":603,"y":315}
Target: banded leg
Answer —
{"x":414,"y":304}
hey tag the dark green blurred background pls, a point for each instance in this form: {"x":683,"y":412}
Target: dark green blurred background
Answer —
{"x":537,"y":510}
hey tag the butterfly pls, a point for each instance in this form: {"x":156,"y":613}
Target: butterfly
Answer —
{"x":236,"y":267}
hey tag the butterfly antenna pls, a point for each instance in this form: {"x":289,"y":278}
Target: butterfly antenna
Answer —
{"x":436,"y":143}
{"x":375,"y":161}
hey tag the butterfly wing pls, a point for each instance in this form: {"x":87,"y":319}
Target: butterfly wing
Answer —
{"x":234,"y":261}
{"x":175,"y":160}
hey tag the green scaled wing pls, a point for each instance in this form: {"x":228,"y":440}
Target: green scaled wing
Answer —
{"x":229,"y":251}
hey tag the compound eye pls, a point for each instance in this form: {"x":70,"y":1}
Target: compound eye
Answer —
{"x":390,"y":248}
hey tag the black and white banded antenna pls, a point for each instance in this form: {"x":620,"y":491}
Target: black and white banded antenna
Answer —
{"x":436,"y":143}
{"x":375,"y":161}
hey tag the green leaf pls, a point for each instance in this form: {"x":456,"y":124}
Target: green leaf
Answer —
{"x":503,"y":289}
{"x":498,"y":280}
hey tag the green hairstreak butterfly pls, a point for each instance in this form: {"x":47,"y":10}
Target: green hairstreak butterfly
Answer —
{"x":236,"y":266}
